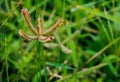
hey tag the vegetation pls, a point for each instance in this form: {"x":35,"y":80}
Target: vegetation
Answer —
{"x":86,"y":47}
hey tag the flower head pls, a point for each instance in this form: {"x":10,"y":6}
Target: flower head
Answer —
{"x":38,"y":34}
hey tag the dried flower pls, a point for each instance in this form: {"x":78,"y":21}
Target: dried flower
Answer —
{"x":38,"y":34}
{"x":52,"y":75}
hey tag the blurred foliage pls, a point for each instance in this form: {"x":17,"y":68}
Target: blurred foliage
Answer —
{"x":91,"y":30}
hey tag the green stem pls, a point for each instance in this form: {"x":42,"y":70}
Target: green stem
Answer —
{"x":38,"y":61}
{"x":43,"y":59}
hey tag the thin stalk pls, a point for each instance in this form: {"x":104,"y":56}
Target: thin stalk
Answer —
{"x":6,"y":60}
{"x":83,"y":72}
{"x":102,"y":50}
{"x":44,"y":62}
{"x":41,"y":62}
{"x":38,"y":62}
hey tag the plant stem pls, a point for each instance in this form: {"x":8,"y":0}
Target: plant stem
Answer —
{"x":41,"y":61}
{"x":44,"y":63}
{"x":38,"y":61}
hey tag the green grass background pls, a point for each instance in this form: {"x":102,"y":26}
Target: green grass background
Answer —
{"x":91,"y":30}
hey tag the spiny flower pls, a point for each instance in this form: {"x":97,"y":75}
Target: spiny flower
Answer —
{"x":38,"y":34}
